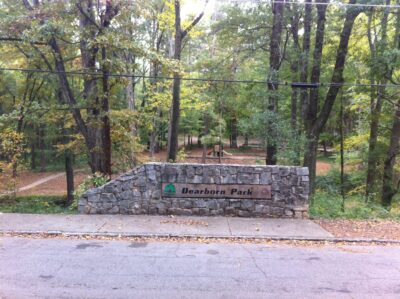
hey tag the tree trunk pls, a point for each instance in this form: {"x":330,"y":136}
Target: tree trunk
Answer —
{"x":317,"y":124}
{"x":234,"y":133}
{"x":294,"y":67}
{"x":130,"y":87}
{"x":372,"y":142}
{"x":174,"y":119}
{"x":154,"y":136}
{"x":274,"y":65}
{"x":376,"y":108}
{"x":176,"y":88}
{"x":389,"y":188}
{"x":205,"y":133}
{"x":42,"y":148}
{"x":305,"y":57}
{"x":69,"y":171}
{"x":33,"y":155}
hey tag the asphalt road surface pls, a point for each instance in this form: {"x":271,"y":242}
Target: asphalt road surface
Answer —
{"x":59,"y":268}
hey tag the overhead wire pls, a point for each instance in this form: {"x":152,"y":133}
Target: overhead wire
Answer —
{"x":340,"y":4}
{"x":211,"y":80}
{"x":333,"y":3}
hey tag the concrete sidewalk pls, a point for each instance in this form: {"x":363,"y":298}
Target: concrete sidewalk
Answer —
{"x":178,"y":226}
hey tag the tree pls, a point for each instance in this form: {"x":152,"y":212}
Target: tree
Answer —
{"x":275,"y":60}
{"x":316,"y":122}
{"x":377,"y":49}
{"x":180,"y":35}
{"x":96,"y":129}
{"x":389,"y":187}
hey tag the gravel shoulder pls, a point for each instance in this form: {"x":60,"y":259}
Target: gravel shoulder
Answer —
{"x":373,"y":229}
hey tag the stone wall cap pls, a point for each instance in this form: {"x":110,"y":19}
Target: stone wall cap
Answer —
{"x":222,"y":165}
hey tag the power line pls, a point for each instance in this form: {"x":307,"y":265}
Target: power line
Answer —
{"x":340,"y":4}
{"x":335,"y":3}
{"x":211,"y":80}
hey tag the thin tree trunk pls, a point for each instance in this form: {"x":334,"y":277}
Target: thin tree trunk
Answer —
{"x":389,"y":188}
{"x":274,"y":66}
{"x":33,"y":155}
{"x":234,"y":133}
{"x":305,"y":57}
{"x":176,"y":88}
{"x":376,"y":108}
{"x":294,"y":66}
{"x":69,"y":170}
{"x":205,"y":133}
{"x":317,"y":125}
{"x":42,"y":148}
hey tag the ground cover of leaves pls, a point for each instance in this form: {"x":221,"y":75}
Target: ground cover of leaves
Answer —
{"x":371,"y":229}
{"x":290,"y":243}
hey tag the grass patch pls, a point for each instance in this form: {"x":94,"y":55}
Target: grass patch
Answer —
{"x":35,"y":204}
{"x":329,"y":205}
{"x":329,"y":158}
{"x":327,"y":201}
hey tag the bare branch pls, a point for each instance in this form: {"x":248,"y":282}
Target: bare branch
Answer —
{"x":194,"y":22}
{"x":27,"y":5}
{"x":82,"y":11}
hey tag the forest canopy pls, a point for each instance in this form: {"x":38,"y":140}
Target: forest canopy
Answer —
{"x":100,"y":82}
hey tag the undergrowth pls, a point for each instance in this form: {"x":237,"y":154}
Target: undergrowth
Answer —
{"x":327,"y":200}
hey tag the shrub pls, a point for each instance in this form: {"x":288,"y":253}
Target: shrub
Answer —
{"x":92,"y":181}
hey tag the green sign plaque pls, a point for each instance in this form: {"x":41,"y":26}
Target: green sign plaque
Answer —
{"x":216,"y":191}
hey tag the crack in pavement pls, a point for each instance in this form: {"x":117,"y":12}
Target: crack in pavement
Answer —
{"x":229,"y":226}
{"x":254,"y":261}
{"x":98,"y":230}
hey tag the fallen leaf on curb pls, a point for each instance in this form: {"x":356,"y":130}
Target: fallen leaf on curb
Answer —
{"x":186,"y":222}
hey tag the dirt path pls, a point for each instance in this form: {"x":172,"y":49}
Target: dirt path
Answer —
{"x":41,"y":181}
{"x":35,"y":183}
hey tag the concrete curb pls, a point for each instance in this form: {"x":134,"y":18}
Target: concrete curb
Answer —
{"x":192,"y":236}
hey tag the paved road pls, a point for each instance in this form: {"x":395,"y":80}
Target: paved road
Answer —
{"x":54,"y":268}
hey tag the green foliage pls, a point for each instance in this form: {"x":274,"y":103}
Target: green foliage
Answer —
{"x":210,"y":140}
{"x":272,"y":128}
{"x":92,"y":181}
{"x":327,"y":201}
{"x":34,"y":204}
{"x":329,"y":205}
{"x":181,"y":156}
{"x":354,"y":181}
{"x":125,"y":144}
{"x":11,"y":145}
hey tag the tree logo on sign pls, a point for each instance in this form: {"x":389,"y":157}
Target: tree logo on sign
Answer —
{"x":170,"y":190}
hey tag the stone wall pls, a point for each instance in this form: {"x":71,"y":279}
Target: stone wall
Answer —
{"x":140,"y":191}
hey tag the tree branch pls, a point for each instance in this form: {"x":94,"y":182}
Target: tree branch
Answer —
{"x":27,"y":5}
{"x":194,"y":22}
{"x":16,"y":39}
{"x":65,"y":87}
{"x":82,"y":11}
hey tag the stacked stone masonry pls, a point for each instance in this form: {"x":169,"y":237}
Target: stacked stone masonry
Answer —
{"x":139,"y":191}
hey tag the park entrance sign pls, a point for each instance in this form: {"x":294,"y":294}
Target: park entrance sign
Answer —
{"x":216,"y":191}
{"x":203,"y":189}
